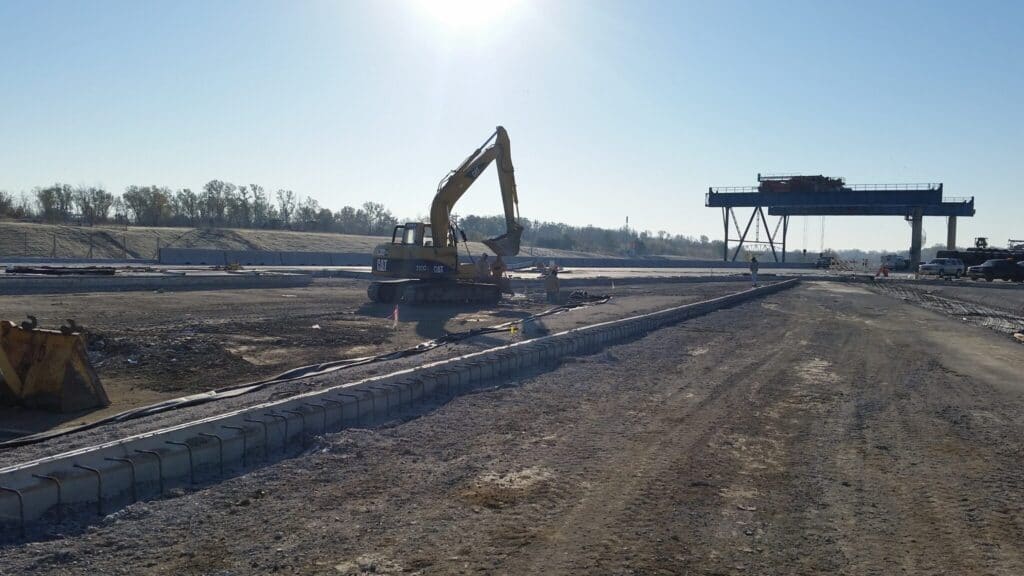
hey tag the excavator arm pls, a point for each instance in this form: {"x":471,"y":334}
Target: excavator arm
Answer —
{"x":450,"y":190}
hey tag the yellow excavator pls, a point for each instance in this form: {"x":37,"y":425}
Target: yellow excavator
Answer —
{"x":421,"y":263}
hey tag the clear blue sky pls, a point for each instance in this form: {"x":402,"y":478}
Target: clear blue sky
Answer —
{"x":613,"y":108}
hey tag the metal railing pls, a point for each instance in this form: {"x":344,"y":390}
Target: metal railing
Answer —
{"x":853,"y":187}
{"x":919,"y":186}
{"x":732,"y":189}
{"x":784,"y":175}
{"x":957,"y":199}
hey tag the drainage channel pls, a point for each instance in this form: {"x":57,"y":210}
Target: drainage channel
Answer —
{"x":110,"y":476}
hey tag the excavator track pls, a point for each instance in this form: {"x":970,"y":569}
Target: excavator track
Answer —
{"x":433,"y":292}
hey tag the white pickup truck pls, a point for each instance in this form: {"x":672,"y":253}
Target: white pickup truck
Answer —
{"x":943,"y":268}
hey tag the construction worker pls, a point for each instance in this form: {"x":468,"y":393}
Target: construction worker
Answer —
{"x":753,"y":270}
{"x":551,"y":286}
{"x":498,"y":269}
{"x":483,"y":268}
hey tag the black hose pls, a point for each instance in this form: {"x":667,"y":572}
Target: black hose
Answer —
{"x":576,"y":300}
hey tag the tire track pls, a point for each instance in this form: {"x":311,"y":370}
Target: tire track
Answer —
{"x":1000,"y":320}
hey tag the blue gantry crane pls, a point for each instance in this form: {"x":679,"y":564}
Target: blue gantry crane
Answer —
{"x":786,"y":195}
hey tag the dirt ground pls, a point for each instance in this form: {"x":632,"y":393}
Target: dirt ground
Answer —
{"x":1000,"y":295}
{"x":149,"y":346}
{"x":823,"y":430}
{"x":998,"y":308}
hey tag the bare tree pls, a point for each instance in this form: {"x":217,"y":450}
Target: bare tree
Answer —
{"x":93,"y":203}
{"x":242,"y":209}
{"x":286,"y":205}
{"x":6,"y":203}
{"x":306,"y":212}
{"x":216,"y":197}
{"x":54,"y":202}
{"x":379,"y":219}
{"x":347,"y":221}
{"x":150,"y":205}
{"x":260,"y":206}
{"x":187,"y":203}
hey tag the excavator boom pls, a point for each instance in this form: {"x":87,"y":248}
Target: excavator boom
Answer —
{"x":495,"y":149}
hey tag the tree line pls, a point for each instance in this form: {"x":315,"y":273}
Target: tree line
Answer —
{"x":221,"y":204}
{"x":218,"y":204}
{"x":620,"y":241}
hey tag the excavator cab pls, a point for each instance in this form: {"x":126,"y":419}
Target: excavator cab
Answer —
{"x":413,"y":234}
{"x":412,"y":253}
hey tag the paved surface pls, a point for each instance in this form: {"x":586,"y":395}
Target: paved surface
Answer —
{"x":824,"y":430}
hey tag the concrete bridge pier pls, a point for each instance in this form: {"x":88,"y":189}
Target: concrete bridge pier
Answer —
{"x":916,"y":218}
{"x":951,"y":233}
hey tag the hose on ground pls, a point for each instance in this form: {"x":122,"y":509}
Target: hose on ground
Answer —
{"x":577,"y":299}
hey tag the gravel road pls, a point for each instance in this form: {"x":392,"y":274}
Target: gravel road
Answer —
{"x":822,"y":430}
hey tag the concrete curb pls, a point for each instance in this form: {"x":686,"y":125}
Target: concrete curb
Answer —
{"x":110,"y":476}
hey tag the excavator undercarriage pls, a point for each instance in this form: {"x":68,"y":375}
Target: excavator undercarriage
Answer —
{"x":414,"y":291}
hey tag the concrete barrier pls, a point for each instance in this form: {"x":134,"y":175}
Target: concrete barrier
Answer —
{"x":107,"y":477}
{"x":313,"y":259}
{"x":252,"y":257}
{"x":27,"y":284}
{"x":216,"y":257}
{"x":350,"y":259}
{"x":192,"y":256}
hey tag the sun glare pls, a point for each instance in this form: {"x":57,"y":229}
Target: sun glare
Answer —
{"x":466,"y":14}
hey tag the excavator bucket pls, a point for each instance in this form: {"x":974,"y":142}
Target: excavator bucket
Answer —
{"x":47,"y":369}
{"x":507,"y":244}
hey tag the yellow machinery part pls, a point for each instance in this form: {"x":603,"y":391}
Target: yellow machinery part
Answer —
{"x":48,"y":370}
